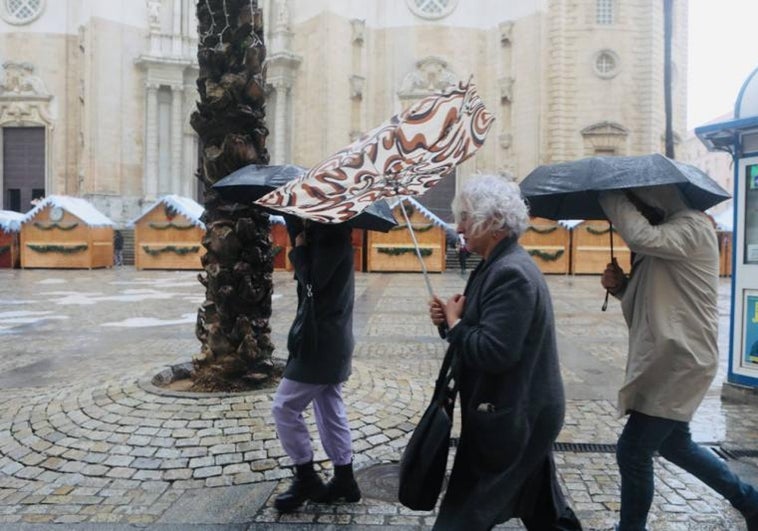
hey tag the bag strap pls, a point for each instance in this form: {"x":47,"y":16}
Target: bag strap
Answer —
{"x":442,"y":387}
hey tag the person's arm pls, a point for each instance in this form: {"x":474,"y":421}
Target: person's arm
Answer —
{"x":299,"y":259}
{"x":496,"y":342}
{"x":670,"y":240}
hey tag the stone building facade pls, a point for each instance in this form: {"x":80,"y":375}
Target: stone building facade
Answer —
{"x":95,"y":95}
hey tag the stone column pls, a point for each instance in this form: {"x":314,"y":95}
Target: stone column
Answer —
{"x":280,"y":121}
{"x":177,"y":95}
{"x":176,"y":30}
{"x":151,"y":142}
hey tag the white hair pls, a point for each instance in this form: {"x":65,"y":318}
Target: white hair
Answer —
{"x":492,"y":202}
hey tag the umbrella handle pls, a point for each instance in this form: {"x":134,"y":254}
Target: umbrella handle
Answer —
{"x":607,"y":293}
{"x":418,"y":251}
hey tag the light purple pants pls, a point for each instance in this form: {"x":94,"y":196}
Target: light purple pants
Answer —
{"x":291,"y":399}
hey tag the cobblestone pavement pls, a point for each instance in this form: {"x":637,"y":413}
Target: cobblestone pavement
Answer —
{"x":86,"y":438}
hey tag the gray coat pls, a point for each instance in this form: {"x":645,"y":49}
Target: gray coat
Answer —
{"x":506,"y":345}
{"x":330,"y":272}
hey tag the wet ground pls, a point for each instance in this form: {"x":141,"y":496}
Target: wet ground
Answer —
{"x":87,"y":442}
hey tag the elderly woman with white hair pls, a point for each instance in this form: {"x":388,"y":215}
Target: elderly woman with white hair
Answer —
{"x":502,"y":331}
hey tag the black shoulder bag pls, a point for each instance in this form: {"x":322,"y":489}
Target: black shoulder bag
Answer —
{"x":422,"y":467}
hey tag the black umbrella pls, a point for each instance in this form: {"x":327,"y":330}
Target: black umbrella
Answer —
{"x":254,"y":181}
{"x":569,"y":190}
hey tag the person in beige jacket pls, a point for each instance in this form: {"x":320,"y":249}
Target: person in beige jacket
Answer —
{"x":669,"y":302}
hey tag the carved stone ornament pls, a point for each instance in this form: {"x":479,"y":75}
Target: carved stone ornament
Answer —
{"x":359,"y":30}
{"x":608,"y":136}
{"x":24,"y":99}
{"x":430,"y":75}
{"x":506,"y":33}
{"x":154,"y":15}
{"x":282,"y":16}
{"x":356,"y":87}
{"x":505,"y":140}
{"x":18,"y":79}
{"x":506,"y":89}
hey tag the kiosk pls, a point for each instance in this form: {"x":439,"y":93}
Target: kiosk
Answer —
{"x":739,"y":137}
{"x":68,"y":233}
{"x":168,"y":235}
{"x":10,"y":225}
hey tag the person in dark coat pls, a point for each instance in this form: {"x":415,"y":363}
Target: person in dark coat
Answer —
{"x":320,"y":348}
{"x":118,"y":248}
{"x":511,"y":393}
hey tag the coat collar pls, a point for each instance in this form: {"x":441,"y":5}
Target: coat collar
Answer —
{"x":504,"y":247}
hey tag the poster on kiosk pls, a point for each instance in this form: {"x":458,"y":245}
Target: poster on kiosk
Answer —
{"x":750,"y":293}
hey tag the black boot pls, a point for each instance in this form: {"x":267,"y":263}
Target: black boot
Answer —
{"x":342,"y":487}
{"x":306,"y":485}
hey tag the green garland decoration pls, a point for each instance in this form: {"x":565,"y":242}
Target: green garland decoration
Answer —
{"x":548,"y":257}
{"x":599,"y":232}
{"x":4,"y":249}
{"x":56,"y":225}
{"x":170,"y":225}
{"x":57,"y":248}
{"x":275,"y":250}
{"x":396,"y":251}
{"x":546,"y":230}
{"x":422,"y":228}
{"x":155,"y":251}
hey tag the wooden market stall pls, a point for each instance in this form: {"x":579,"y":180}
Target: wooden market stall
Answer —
{"x":66,"y":232}
{"x":591,"y":248}
{"x":394,"y":250}
{"x":10,"y":225}
{"x":725,"y":253}
{"x":549,"y":244}
{"x":724,"y":230}
{"x":280,"y":244}
{"x":168,"y":235}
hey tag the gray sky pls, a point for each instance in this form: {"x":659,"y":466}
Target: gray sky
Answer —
{"x":723,"y":51}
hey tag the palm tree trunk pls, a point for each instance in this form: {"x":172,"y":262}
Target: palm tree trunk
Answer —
{"x":233,"y":322}
{"x":667,"y":35}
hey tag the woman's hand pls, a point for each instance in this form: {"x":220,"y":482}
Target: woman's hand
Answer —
{"x":437,"y":311}
{"x":454,"y":308}
{"x":300,"y":239}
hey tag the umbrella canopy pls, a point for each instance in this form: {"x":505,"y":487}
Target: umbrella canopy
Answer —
{"x":570,"y":189}
{"x":404,"y":156}
{"x":254,"y":181}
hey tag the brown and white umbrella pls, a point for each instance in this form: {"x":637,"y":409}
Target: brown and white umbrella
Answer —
{"x":406,"y":155}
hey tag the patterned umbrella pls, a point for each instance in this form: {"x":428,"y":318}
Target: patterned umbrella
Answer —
{"x":404,"y":156}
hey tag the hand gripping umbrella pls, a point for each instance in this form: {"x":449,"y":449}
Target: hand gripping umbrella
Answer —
{"x":406,"y":155}
{"x":569,"y":190}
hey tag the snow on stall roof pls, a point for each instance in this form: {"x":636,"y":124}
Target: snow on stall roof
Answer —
{"x":569,"y":223}
{"x":10,"y":221}
{"x":81,"y":208}
{"x":428,"y":214}
{"x":725,"y":220}
{"x":185,"y":206}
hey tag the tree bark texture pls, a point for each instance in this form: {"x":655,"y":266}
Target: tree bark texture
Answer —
{"x":233,"y":322}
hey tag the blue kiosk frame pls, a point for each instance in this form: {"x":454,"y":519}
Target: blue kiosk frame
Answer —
{"x":739,"y":137}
